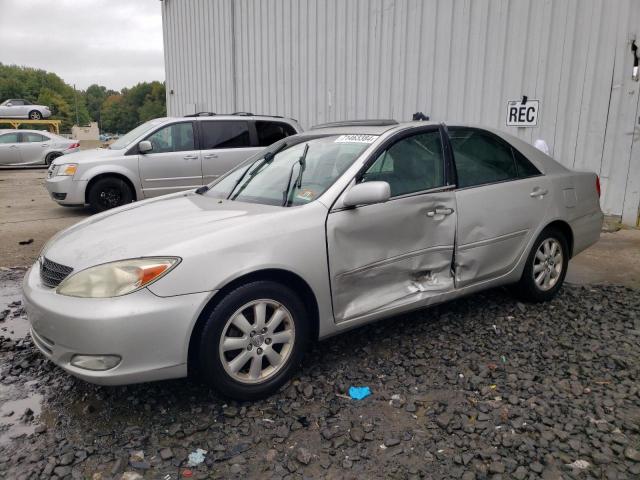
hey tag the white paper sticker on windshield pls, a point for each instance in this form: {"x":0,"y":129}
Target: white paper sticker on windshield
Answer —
{"x":356,"y":139}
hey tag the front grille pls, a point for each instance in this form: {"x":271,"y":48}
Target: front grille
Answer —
{"x":52,"y":273}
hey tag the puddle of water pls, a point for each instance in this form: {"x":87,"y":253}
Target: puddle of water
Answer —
{"x":12,"y":425}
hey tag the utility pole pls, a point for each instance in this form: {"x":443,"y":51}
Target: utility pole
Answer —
{"x":75,"y":97}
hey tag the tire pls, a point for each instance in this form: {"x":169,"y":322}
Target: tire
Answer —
{"x":109,"y":192}
{"x":35,"y":115}
{"x":51,"y":157}
{"x":256,"y":347}
{"x":544,"y":284}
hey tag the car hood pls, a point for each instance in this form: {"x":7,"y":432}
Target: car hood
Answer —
{"x":172,"y":225}
{"x":88,"y":156}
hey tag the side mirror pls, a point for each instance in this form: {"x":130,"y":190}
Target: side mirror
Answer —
{"x":367,"y":193}
{"x":145,"y":146}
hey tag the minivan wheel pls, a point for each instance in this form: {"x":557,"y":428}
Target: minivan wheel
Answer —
{"x":35,"y":115}
{"x":109,"y":192}
{"x":253,"y":340}
{"x":546,"y":267}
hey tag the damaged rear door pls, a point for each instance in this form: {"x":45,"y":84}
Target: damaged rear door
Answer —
{"x":399,"y":252}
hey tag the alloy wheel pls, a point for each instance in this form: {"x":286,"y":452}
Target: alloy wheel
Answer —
{"x":548,"y":264}
{"x":257,"y":341}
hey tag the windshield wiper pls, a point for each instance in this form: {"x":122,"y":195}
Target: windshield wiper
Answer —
{"x":268,"y":157}
{"x":302,"y":161}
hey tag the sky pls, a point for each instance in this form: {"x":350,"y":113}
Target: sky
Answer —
{"x":115,"y":43}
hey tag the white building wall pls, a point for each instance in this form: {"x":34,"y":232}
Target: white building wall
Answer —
{"x":460,"y":60}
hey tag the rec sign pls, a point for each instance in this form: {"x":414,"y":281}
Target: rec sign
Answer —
{"x":522,"y":114}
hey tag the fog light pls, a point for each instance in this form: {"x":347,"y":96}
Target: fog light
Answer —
{"x":95,"y":362}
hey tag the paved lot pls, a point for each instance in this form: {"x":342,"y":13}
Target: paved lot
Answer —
{"x":29,"y":214}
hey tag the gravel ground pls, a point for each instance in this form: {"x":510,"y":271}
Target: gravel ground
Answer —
{"x":483,"y":387}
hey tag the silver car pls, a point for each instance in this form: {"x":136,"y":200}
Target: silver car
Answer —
{"x":163,"y":156}
{"x":320,"y":233}
{"x":20,"y":108}
{"x":32,"y":147}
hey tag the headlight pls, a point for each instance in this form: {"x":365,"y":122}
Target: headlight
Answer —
{"x":68,"y":169}
{"x":116,"y":278}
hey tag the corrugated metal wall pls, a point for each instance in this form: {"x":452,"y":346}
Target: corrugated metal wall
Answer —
{"x":325,"y":60}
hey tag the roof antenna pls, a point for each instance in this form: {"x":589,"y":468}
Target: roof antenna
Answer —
{"x":420,"y":116}
{"x":524,"y":99}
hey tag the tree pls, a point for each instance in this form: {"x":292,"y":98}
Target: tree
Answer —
{"x":115,"y":111}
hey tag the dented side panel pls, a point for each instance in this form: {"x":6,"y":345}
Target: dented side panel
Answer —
{"x":391,"y":253}
{"x":495,"y":224}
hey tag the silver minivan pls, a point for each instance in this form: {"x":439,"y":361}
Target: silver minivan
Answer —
{"x":161,"y":156}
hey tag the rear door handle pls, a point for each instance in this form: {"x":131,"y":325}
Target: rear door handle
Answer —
{"x":44,"y":145}
{"x":538,"y":192}
{"x":440,"y":211}
{"x":211,"y":155}
{"x":190,"y":157}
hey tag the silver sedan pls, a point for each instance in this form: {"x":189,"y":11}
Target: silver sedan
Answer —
{"x":20,"y":108}
{"x":321,"y":233}
{"x":29,"y":147}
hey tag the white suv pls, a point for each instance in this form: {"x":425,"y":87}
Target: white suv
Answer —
{"x":163,"y":156}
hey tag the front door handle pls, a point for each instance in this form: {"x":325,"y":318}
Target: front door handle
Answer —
{"x":440,"y":211}
{"x":538,"y":192}
{"x":190,"y":157}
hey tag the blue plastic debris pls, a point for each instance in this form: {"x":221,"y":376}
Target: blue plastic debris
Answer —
{"x":358,"y":393}
{"x":197,"y":457}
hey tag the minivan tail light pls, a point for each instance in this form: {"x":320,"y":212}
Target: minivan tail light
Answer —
{"x":598,"y":185}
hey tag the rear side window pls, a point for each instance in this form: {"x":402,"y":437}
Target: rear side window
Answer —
{"x":524,"y":166}
{"x":271,"y":132}
{"x":9,"y":138}
{"x":33,"y":137}
{"x":224,"y":134}
{"x":481,"y":158}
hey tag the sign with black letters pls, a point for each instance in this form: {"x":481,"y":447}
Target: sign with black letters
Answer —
{"x":522,"y":114}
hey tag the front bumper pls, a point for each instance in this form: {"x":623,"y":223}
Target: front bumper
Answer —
{"x":65,"y":190}
{"x":149,"y":333}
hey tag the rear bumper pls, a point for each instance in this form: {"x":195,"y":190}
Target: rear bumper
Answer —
{"x":150,"y":334}
{"x":586,"y":230}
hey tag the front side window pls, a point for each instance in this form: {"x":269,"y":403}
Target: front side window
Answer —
{"x":481,"y":158}
{"x":9,"y":138}
{"x":271,"y":132}
{"x":125,"y":140}
{"x":413,"y":164}
{"x":33,"y":137}
{"x":177,"y":137}
{"x":290,"y":177}
{"x":17,"y":102}
{"x":224,"y":134}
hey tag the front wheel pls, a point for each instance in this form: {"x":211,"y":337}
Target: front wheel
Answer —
{"x":109,"y":192}
{"x":546,"y":267}
{"x":35,"y":115}
{"x":253,"y":340}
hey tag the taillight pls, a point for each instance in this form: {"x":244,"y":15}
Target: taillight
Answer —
{"x":74,"y":145}
{"x":598,"y":185}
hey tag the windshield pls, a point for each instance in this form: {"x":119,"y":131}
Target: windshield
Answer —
{"x":126,"y":139}
{"x":292,"y":177}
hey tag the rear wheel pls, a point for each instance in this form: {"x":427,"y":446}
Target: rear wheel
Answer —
{"x":253,"y":340}
{"x":51,"y":157}
{"x":546,"y":267}
{"x":109,"y":192}
{"x":35,"y":115}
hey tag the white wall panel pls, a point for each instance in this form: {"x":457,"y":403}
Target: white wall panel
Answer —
{"x":460,"y":60}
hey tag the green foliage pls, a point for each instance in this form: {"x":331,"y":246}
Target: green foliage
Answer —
{"x":116,"y":112}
